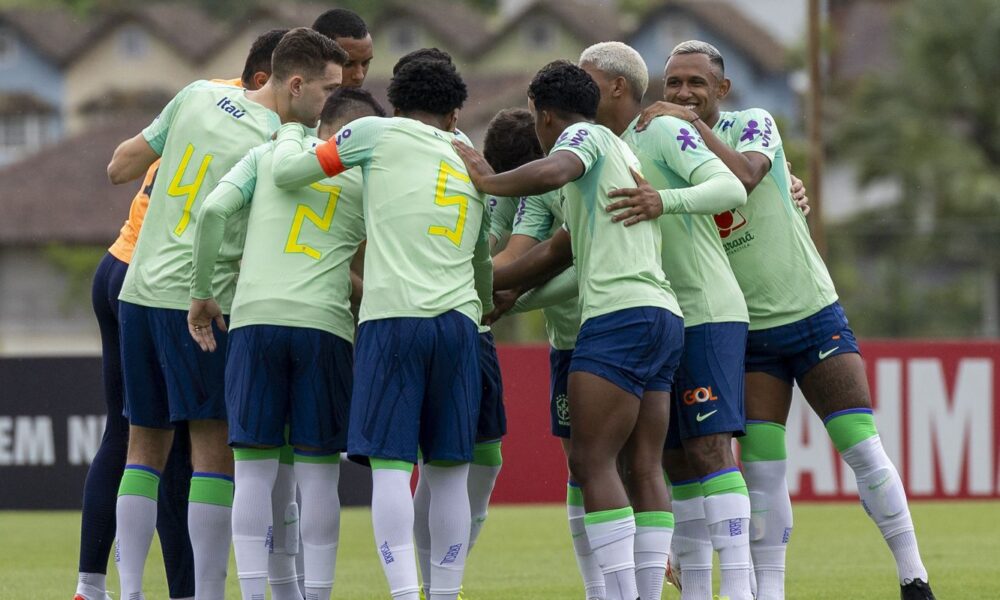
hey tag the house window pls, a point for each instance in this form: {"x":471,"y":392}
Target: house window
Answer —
{"x":133,"y":42}
{"x":540,"y":34}
{"x":13,"y":131}
{"x":8,"y":47}
{"x":402,"y":38}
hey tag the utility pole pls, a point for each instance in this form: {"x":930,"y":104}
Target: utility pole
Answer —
{"x":815,"y":127}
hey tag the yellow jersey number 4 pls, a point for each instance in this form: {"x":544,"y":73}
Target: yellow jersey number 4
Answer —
{"x":323,"y":223}
{"x":188,"y":191}
{"x":462,"y":201}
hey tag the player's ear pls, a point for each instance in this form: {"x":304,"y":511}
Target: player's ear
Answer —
{"x":295,"y":83}
{"x":452,"y":120}
{"x":618,"y":87}
{"x":260,"y":78}
{"x":724,"y":88}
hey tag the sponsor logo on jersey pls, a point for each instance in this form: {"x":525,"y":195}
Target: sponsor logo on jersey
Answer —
{"x":699,"y":395}
{"x":452,"y":554}
{"x":386,"y":553}
{"x":729,"y":221}
{"x":577,"y":138}
{"x":227,"y":106}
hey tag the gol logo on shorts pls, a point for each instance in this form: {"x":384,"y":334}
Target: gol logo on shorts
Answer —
{"x":699,"y":395}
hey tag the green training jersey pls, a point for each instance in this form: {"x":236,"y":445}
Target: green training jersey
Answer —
{"x":299,"y":246}
{"x":540,"y":217}
{"x":782,"y":275}
{"x":618,"y":267}
{"x":670,"y":151}
{"x":427,"y":225}
{"x":205,"y":130}
{"x":502,"y":213}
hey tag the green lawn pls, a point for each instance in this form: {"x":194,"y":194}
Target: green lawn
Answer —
{"x":524,"y":552}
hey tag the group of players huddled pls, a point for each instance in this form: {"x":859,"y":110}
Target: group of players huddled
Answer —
{"x":682,"y":298}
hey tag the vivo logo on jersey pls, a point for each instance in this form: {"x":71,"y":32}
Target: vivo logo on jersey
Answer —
{"x":343,"y":135}
{"x":578,"y":137}
{"x":227,"y":105}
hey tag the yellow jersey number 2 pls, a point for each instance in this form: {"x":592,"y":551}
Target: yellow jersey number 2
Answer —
{"x":462,"y":201}
{"x":323,"y":223}
{"x":189,"y":191}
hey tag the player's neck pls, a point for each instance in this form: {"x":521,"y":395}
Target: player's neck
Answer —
{"x":622,"y":116}
{"x":712,"y":118}
{"x":442,"y":122}
{"x":266,"y":97}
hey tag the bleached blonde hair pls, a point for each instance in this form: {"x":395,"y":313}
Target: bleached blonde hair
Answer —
{"x":700,"y":47}
{"x":619,"y":60}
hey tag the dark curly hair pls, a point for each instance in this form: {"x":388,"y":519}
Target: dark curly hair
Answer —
{"x":422,"y":54}
{"x":430,"y":86}
{"x":341,"y":23}
{"x":565,"y":88}
{"x":348,"y":100}
{"x":511,"y":140}
{"x":259,"y":58}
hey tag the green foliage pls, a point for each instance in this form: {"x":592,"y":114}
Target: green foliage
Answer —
{"x":932,"y":124}
{"x":78,"y":263}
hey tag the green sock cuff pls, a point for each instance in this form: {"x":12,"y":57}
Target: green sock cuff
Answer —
{"x":211,"y":489}
{"x":655,"y":519}
{"x":730,"y":482}
{"x":849,"y":428}
{"x":139,"y":482}
{"x":574,"y":495}
{"x":605,"y":516}
{"x":316,"y":458}
{"x":256,"y":453}
{"x":487,"y":454}
{"x":397,"y":465}
{"x":287,"y":455}
{"x":686,"y":491}
{"x":764,"y":441}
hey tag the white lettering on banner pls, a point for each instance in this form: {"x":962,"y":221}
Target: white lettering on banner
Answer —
{"x":6,"y":424}
{"x":83,"y":438}
{"x":33,"y":441}
{"x":948,"y":439}
{"x":809,"y":449}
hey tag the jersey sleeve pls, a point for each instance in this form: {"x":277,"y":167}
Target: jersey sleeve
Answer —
{"x":460,"y":136}
{"x":676,"y":143}
{"x":757,"y":133}
{"x":502,"y":213}
{"x":155,"y":133}
{"x":580,"y":139}
{"x":243,"y":175}
{"x":534,"y":219}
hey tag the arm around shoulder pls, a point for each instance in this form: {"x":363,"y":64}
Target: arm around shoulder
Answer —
{"x":131,"y":160}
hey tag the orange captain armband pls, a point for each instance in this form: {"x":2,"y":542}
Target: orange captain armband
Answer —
{"x":329,"y":158}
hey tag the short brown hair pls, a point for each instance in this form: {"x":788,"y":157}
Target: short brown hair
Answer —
{"x":303,"y":51}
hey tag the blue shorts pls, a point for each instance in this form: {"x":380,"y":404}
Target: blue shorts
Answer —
{"x":788,"y":352}
{"x":492,"y":416}
{"x":417,"y":383}
{"x":168,"y":378}
{"x":559,"y":391}
{"x":708,"y":389}
{"x":637,"y":349}
{"x":296,"y":375}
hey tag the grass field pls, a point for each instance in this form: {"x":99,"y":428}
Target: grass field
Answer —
{"x":525,"y":553}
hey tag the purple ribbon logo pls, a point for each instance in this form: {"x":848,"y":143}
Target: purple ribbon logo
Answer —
{"x":750,"y":131}
{"x":686,"y":140}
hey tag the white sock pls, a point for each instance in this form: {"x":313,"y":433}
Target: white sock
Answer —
{"x":135,"y":514}
{"x":422,"y":530}
{"x":295,"y":541}
{"x":612,"y":537}
{"x":281,"y":571}
{"x":653,"y":531}
{"x":91,"y":585}
{"x":590,"y":569}
{"x":770,"y":524}
{"x":449,"y":519}
{"x":256,"y":472}
{"x":884,"y":499}
{"x":210,"y":514}
{"x":392,"y":520}
{"x":482,"y":478}
{"x":728,"y":518}
{"x":320,"y":523}
{"x":692,"y":545}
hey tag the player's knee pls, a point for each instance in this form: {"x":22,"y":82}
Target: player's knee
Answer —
{"x":149,"y":446}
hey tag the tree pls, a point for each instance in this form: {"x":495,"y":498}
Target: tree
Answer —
{"x":932,"y":124}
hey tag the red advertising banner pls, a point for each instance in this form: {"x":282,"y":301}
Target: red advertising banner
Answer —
{"x":937,"y":406}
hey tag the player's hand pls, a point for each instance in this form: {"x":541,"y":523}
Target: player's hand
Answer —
{"x":799,"y":192}
{"x":664,"y":109}
{"x":476,"y":164}
{"x":200,"y":318}
{"x":638,"y":204}
{"x":503,"y":301}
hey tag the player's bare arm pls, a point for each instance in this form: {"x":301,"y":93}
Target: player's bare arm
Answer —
{"x":538,"y":265}
{"x":518,"y":245}
{"x":537,"y":177}
{"x":131,"y":160}
{"x":749,"y":167}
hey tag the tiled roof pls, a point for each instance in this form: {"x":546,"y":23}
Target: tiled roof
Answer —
{"x":460,"y":27}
